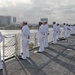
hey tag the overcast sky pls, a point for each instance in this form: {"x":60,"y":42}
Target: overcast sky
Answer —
{"x":32,"y":10}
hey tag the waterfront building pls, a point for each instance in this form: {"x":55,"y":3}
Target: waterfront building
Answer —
{"x":7,"y":20}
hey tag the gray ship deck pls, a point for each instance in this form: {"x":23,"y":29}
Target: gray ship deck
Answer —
{"x":58,"y":59}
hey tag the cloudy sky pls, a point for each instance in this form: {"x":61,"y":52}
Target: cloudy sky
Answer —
{"x":32,"y":10}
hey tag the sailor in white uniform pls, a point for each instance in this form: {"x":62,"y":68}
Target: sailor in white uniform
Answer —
{"x":25,"y":40}
{"x":68,"y":30}
{"x":58,"y":34}
{"x":46,"y":35}
{"x":55,"y":31}
{"x":1,"y":39}
{"x":73,"y":29}
{"x":64,"y":30}
{"x":41,"y":37}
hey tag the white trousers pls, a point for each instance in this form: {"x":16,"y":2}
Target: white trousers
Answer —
{"x":68,"y":33}
{"x":41,"y":43}
{"x":65,"y":34}
{"x":25,"y":48}
{"x":54,"y":37}
{"x":0,"y":61}
{"x":58,"y":35}
{"x":46,"y":40}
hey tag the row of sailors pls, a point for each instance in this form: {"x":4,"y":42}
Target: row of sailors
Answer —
{"x":43,"y":37}
{"x":67,"y":30}
{"x":44,"y":32}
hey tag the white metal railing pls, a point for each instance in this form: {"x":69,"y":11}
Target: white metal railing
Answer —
{"x":8,"y":46}
{"x":12,"y":44}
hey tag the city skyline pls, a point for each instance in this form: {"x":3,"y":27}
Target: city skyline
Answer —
{"x":33,"y":10}
{"x":7,"y":20}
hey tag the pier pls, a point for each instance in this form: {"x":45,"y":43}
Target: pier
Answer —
{"x":57,"y":59}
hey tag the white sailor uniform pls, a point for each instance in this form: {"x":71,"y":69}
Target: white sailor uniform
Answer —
{"x":25,"y":41}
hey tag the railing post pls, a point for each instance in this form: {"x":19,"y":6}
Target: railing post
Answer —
{"x":18,"y":43}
